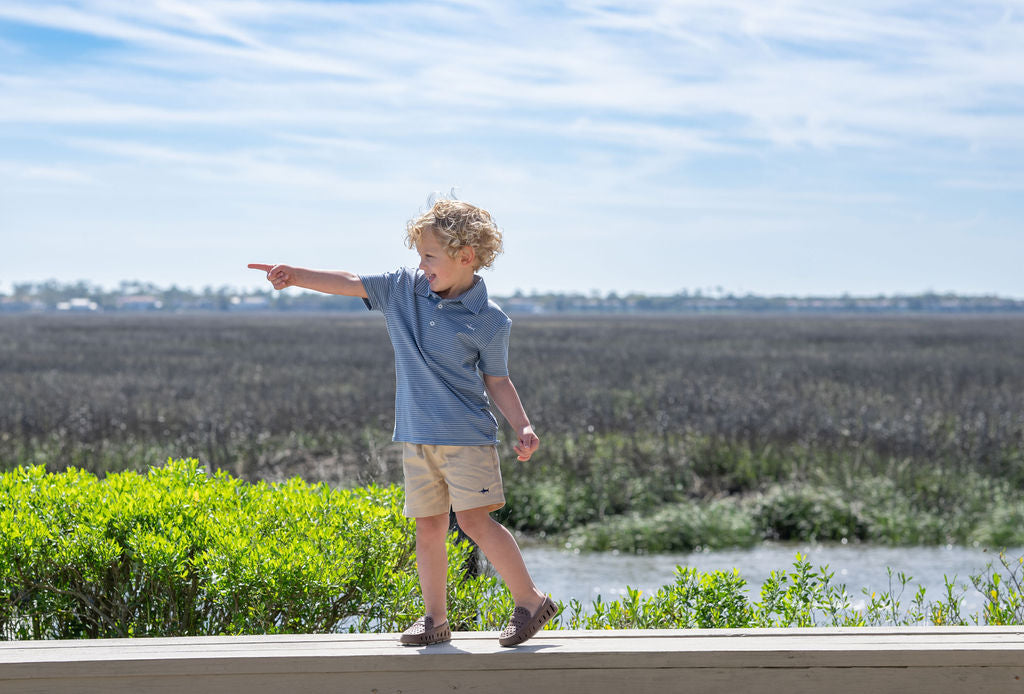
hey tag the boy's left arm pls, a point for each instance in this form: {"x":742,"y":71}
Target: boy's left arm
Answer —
{"x":504,"y":395}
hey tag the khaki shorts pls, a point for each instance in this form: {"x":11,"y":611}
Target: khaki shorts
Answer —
{"x":439,"y":478}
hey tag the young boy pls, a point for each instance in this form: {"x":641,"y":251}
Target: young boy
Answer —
{"x":451,"y":352}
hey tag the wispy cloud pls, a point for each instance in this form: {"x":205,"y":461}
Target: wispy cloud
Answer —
{"x":662,"y":79}
{"x":752,"y":117}
{"x":51,"y":174}
{"x":784,"y":74}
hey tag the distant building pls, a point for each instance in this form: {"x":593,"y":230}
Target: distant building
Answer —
{"x":78,"y":305}
{"x":249,"y":303}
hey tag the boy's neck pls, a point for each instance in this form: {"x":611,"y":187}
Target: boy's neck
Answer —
{"x":459,"y":288}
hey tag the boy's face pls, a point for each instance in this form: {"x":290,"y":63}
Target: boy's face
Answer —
{"x":448,"y":276}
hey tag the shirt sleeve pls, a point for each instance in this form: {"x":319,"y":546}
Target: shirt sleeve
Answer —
{"x":379,"y":289}
{"x":494,"y":356}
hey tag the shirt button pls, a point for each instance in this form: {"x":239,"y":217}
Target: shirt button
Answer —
{"x":431,"y":322}
{"x":440,"y":306}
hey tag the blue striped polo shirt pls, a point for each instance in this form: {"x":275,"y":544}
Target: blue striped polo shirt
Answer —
{"x":441,"y":348}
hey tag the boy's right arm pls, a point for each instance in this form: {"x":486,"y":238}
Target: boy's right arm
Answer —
{"x":326,"y":281}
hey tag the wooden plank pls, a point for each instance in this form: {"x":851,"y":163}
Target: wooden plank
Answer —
{"x":587,"y":681}
{"x":838,"y":660}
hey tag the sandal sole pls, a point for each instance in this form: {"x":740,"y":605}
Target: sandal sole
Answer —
{"x":435,"y":637}
{"x":545,"y":612}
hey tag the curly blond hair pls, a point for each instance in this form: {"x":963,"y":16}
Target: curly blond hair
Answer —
{"x":457,"y":224}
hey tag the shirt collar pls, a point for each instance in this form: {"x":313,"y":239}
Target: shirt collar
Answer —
{"x":474,"y":298}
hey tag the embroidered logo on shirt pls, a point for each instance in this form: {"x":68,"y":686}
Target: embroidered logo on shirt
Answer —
{"x":470,"y":326}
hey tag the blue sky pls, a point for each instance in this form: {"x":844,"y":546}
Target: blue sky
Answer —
{"x":769,"y":147}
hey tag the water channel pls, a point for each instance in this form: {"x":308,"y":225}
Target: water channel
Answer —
{"x":566,"y":575}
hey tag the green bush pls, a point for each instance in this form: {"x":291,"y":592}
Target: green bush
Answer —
{"x":868,"y":509}
{"x":805,"y":512}
{"x":678,"y":527}
{"x":178,"y":552}
{"x":802,"y":597}
{"x":1003,"y":592}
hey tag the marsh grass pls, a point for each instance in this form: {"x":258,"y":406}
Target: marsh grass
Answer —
{"x":710,"y":430}
{"x":983,"y":512}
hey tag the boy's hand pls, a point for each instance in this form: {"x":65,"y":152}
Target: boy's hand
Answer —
{"x":280,"y":276}
{"x":528,"y":443}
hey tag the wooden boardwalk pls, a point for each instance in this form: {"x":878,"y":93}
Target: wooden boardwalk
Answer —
{"x":979,"y":660}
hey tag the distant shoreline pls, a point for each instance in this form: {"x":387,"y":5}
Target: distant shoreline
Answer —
{"x":136,"y":298}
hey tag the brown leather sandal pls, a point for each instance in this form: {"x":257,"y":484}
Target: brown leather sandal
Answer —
{"x":424,"y":633}
{"x":522,"y":625}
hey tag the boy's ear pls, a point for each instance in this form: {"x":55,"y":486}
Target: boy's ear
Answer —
{"x":467,"y":255}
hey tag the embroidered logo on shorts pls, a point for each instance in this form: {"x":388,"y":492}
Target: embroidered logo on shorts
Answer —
{"x":484,"y":490}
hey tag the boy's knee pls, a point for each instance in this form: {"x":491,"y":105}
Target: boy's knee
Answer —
{"x":473,"y":521}
{"x":432,"y":527}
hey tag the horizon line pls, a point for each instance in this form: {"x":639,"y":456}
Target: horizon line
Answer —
{"x":714,"y":292}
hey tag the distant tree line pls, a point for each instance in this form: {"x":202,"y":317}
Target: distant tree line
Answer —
{"x":139,"y":296}
{"x":53,"y":296}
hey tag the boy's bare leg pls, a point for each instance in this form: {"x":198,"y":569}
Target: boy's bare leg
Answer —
{"x":501,"y":550}
{"x":432,"y":564}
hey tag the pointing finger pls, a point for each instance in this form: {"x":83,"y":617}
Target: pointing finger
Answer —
{"x":260,"y":266}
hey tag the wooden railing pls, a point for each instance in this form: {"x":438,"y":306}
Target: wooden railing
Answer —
{"x":977,"y":660}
